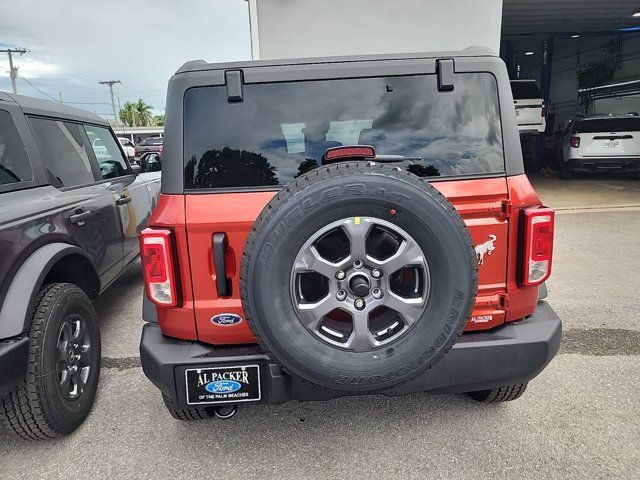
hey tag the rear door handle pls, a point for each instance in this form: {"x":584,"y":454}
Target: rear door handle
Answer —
{"x":80,"y":216}
{"x":123,"y":200}
{"x":223,"y":283}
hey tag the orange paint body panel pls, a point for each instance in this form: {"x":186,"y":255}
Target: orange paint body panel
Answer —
{"x":481,"y":204}
{"x":522,"y":301}
{"x":489,"y":206}
{"x":233,"y":214}
{"x":177,"y":322}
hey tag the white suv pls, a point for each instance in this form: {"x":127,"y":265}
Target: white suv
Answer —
{"x":529,"y":104}
{"x":601,"y":143}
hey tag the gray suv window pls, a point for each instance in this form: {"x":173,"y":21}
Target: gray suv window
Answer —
{"x":282,"y":130}
{"x":105,"y":147}
{"x":63,"y":150}
{"x":14,"y":162}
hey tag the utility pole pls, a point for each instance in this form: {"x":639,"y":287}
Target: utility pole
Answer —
{"x":111,"y":83}
{"x":13,"y":71}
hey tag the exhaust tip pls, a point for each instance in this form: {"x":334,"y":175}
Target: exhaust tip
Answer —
{"x":225,"y":412}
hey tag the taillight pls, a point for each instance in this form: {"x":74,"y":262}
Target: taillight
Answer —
{"x":543,"y":111}
{"x":161,"y":149}
{"x":537,"y":251}
{"x":574,"y":142}
{"x":158,"y":266}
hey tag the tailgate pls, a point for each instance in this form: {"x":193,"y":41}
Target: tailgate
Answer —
{"x":528,"y":113}
{"x":220,"y":320}
{"x":614,"y":144}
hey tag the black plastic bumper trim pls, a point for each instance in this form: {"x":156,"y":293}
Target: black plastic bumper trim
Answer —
{"x":509,"y":354}
{"x":14,"y":358}
{"x":149,"y":311}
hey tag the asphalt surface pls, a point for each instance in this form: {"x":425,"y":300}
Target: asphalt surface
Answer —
{"x":578,"y":419}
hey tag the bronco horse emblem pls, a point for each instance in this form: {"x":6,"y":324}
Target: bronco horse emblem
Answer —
{"x":485,"y":248}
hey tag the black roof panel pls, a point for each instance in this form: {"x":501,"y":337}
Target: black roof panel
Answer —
{"x":201,"y":65}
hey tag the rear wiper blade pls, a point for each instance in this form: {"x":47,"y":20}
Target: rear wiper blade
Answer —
{"x":394,"y":158}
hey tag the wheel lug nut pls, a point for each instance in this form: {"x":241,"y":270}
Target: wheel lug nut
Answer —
{"x":359,"y":303}
{"x":340,"y":275}
{"x":357,"y":264}
{"x":376,"y":273}
{"x":341,"y":295}
{"x":376,"y":293}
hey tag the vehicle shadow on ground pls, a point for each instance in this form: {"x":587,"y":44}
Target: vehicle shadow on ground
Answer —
{"x":119,"y":310}
{"x":129,"y":284}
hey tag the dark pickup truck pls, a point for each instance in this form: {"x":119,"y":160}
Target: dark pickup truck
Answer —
{"x":149,"y":145}
{"x":70,"y":214}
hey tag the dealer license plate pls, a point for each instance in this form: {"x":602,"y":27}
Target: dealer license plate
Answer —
{"x":223,"y":384}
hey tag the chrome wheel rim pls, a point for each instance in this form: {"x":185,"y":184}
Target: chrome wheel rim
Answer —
{"x":360,"y":283}
{"x":73,"y":357}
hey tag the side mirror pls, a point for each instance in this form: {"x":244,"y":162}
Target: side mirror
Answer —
{"x":151,"y":162}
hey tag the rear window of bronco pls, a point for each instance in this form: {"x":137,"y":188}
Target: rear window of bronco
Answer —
{"x":281,"y":130}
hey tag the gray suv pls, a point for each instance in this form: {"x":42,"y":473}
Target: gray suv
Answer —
{"x":71,"y":208}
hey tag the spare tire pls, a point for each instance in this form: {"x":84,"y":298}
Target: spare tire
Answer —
{"x":358,"y":276}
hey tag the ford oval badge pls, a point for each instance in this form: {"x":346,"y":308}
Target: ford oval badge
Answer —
{"x":226,"y":319}
{"x":223,"y":386}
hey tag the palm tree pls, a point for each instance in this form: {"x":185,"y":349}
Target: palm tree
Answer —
{"x":137,"y":114}
{"x":158,"y":121}
{"x":143,"y":113}
{"x":127,"y":114}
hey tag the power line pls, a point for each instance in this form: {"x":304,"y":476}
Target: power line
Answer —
{"x":78,"y":72}
{"x":111,"y":83}
{"x":36,"y":88}
{"x":13,"y":71}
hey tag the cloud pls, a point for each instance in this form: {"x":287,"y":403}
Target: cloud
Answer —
{"x":30,"y":68}
{"x":75,"y":44}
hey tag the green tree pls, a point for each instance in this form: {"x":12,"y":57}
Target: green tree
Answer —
{"x":157,"y":121}
{"x":138,"y":114}
{"x":127,"y":114}
{"x":143,"y":113}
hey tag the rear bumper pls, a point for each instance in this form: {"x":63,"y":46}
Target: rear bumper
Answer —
{"x":593,"y":164}
{"x":531,"y":128}
{"x":509,"y":354}
{"x":14,"y":357}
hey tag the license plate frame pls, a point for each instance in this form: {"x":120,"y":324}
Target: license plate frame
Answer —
{"x":226,"y":384}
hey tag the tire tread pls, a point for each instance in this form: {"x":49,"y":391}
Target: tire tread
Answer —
{"x":185,"y":414}
{"x":506,"y":393}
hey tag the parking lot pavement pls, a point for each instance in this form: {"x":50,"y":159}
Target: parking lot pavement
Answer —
{"x":588,"y":191}
{"x":578,"y":419}
{"x":595,"y":281}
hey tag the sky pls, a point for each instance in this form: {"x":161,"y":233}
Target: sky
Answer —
{"x":73,"y":44}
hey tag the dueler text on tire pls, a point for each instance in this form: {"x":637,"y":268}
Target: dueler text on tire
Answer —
{"x":64,"y":366}
{"x":358,"y":276}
